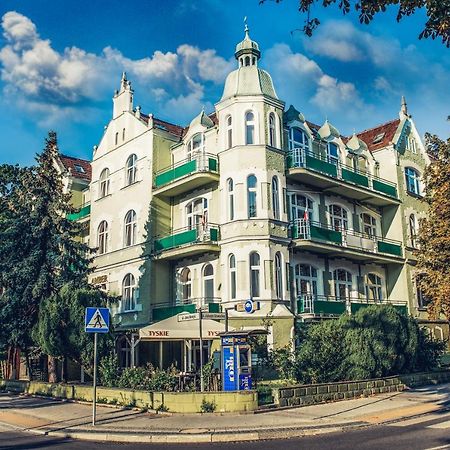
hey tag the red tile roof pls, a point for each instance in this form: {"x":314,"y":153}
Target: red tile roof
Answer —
{"x":385,"y":134}
{"x":167,"y":126}
{"x":70,"y":163}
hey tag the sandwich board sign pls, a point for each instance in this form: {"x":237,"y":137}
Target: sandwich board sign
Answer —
{"x":97,"y":320}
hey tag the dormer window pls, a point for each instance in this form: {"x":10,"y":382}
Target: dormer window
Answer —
{"x":332,"y":153}
{"x":378,"y":138}
{"x":196,"y":145}
{"x":79,"y":169}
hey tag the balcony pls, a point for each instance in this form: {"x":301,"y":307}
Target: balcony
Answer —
{"x":360,"y":247}
{"x":328,"y":306}
{"x":163,"y":311}
{"x":187,"y":242}
{"x":83,"y":213}
{"x":186,"y":175}
{"x":330,"y":176}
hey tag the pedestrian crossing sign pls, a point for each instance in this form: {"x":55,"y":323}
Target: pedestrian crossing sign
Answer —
{"x":96,"y":320}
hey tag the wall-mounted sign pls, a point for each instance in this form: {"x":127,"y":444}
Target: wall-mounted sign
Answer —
{"x":101,"y":279}
{"x":248,"y":306}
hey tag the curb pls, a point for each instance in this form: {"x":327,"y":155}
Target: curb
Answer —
{"x":176,"y":437}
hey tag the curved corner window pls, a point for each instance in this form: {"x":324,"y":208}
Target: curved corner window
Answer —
{"x":412,"y":178}
{"x":249,"y":128}
{"x":130,"y":226}
{"x":278,"y":276}
{"x":230,"y":193}
{"x":275,"y":198}
{"x":232,"y":267}
{"x":129,"y":292}
{"x":251,"y":196}
{"x":196,"y":146}
{"x":368,"y":224}
{"x":104,"y":183}
{"x":229,"y":132}
{"x":254,"y":275}
{"x":342,"y":284}
{"x":102,"y":237}
{"x":272,"y":130}
{"x":338,"y":217}
{"x":131,"y":169}
{"x":185,"y":284}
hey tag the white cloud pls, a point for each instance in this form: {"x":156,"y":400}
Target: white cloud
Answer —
{"x":341,"y":40}
{"x":300,"y":80}
{"x":47,"y":81}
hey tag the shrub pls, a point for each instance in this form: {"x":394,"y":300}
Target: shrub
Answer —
{"x":109,"y":370}
{"x":163,"y":380}
{"x":135,"y":378}
{"x":207,"y":407}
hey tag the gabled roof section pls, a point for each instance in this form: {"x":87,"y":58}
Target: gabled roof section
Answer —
{"x":164,"y":125}
{"x":380,"y":136}
{"x":78,"y":168}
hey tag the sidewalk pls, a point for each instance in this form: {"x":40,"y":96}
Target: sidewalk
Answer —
{"x":67,"y":419}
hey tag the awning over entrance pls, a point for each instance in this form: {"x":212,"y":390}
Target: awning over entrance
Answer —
{"x":170,"y":329}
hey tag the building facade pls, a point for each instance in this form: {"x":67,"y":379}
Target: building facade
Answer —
{"x":251,"y":202}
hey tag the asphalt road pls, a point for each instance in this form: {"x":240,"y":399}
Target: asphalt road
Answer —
{"x":425,"y":433}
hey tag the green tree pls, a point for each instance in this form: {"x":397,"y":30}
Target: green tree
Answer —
{"x":38,"y":250}
{"x":433,"y":255}
{"x":437,"y":11}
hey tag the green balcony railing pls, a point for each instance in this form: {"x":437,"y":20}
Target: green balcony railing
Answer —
{"x":199,"y":163}
{"x":164,"y":311}
{"x":83,"y":212}
{"x":186,"y":236}
{"x":333,"y":306}
{"x":304,"y":229}
{"x":301,"y":157}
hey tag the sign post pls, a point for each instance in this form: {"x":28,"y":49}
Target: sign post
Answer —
{"x":96,"y":321}
{"x":200,"y":328}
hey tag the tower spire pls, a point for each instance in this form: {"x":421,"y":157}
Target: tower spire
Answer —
{"x":403,"y":109}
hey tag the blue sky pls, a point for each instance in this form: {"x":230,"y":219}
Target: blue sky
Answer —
{"x":60,"y":62}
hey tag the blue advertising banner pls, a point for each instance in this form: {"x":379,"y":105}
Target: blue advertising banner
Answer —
{"x":245,"y":382}
{"x":229,"y":369}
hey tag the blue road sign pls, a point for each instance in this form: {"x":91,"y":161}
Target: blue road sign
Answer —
{"x":96,"y":320}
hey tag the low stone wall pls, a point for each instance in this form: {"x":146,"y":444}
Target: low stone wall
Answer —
{"x":177,"y":402}
{"x":303,"y":395}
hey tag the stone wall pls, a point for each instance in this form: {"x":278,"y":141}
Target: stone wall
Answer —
{"x":177,"y":402}
{"x":303,"y":395}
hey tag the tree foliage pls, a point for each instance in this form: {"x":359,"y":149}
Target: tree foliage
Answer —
{"x":437,"y":11}
{"x":433,"y":255}
{"x":39,"y":252}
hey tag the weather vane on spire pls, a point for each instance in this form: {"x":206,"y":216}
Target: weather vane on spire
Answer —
{"x":246,"y":25}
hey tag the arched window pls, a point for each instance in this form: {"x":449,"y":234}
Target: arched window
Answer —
{"x":422,"y":300}
{"x":278,"y":276}
{"x":129,"y":292}
{"x":374,"y":288}
{"x":116,"y":138}
{"x":272,"y":130}
{"x":275,"y":199}
{"x":338,"y":217}
{"x":130,"y":226}
{"x":229,"y":132}
{"x":123,"y":134}
{"x":195,"y":146}
{"x":247,"y":60}
{"x":249,"y":128}
{"x":342,"y":284}
{"x":332,"y":153}
{"x":197,"y":213}
{"x":251,"y":196}
{"x":368,"y":224}
{"x":102,"y":237}
{"x":413,"y":230}
{"x":306,"y":285}
{"x":412,"y":178}
{"x":230,"y":193}
{"x":301,"y":207}
{"x":208,"y":283}
{"x":254,"y":275}
{"x":185,"y":284}
{"x":104,"y":183}
{"x":233,"y":284}
{"x":131,"y":169}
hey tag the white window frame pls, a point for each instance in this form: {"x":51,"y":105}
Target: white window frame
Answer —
{"x":229,"y":131}
{"x":346,"y":283}
{"x":373,"y":287}
{"x":104,"y":183}
{"x":412,"y":179}
{"x":272,"y":130}
{"x":130,"y":228}
{"x":278,"y":276}
{"x":230,"y":198}
{"x":255,"y":269}
{"x":208,"y":280}
{"x":131,"y":170}
{"x":129,"y":293}
{"x":102,"y":237}
{"x":233,"y":276}
{"x":252,"y":194}
{"x":250,"y":126}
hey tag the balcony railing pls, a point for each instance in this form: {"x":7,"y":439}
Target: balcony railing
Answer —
{"x":331,"y":168}
{"x":304,"y":229}
{"x":200,"y":163}
{"x":84,"y":211}
{"x":163,"y":310}
{"x":201,"y":234}
{"x":335,"y":306}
